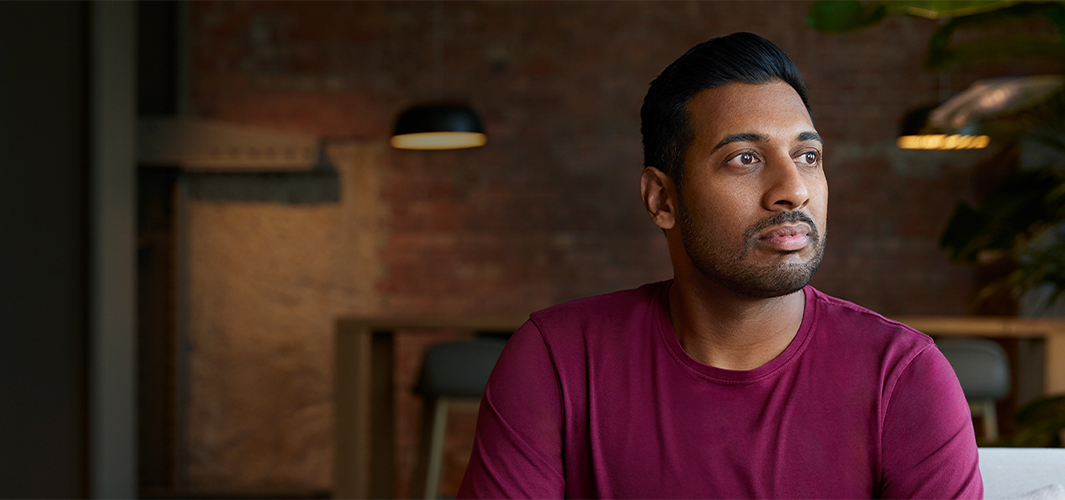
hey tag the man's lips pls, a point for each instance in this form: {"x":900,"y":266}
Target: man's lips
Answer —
{"x":785,"y":237}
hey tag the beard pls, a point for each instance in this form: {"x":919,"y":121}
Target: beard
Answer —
{"x":727,"y":266}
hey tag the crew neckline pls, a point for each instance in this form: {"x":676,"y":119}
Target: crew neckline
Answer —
{"x":796,"y":347}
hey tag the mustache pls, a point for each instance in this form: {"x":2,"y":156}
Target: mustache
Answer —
{"x":777,"y":219}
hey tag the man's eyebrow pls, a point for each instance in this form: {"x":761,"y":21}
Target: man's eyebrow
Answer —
{"x":753,"y":137}
{"x":811,"y":136}
{"x":744,"y":137}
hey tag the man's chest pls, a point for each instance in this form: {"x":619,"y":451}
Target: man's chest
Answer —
{"x":782,"y":437}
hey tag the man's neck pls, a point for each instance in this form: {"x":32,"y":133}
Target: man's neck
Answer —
{"x":722,"y":329}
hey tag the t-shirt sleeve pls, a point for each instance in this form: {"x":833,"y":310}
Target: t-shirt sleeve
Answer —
{"x":517,"y":451}
{"x":928,"y":444}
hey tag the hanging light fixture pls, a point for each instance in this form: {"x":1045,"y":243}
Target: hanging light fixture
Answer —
{"x":917,"y":133}
{"x":953,"y":124}
{"x":438,"y":126}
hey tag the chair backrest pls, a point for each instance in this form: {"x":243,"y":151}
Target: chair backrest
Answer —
{"x":458,"y":369}
{"x":981,"y":365}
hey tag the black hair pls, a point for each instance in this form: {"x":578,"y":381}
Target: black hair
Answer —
{"x":739,"y":57}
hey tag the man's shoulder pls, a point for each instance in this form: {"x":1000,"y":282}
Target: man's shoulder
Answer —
{"x":609,"y":310}
{"x":852,"y":319}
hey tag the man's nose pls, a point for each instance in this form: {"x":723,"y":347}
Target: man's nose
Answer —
{"x":786,"y":187}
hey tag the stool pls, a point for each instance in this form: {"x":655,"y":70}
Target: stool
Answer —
{"x":452,"y":372}
{"x":984,"y":372}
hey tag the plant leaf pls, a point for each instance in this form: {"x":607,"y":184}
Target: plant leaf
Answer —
{"x":937,"y":9}
{"x":940,"y":55}
{"x":1046,"y":408}
{"x":962,"y":228}
{"x":1040,"y":421}
{"x":1009,"y":216}
{"x":827,"y":16}
{"x":1000,"y":49}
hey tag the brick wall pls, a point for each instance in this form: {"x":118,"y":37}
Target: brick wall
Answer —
{"x":547,"y":211}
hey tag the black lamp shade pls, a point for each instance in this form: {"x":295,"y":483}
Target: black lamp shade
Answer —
{"x":917,"y":133}
{"x":916,"y":121}
{"x":438,"y":126}
{"x":438,"y":118}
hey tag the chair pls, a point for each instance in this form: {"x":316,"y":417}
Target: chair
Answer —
{"x":984,"y":372}
{"x":452,"y":372}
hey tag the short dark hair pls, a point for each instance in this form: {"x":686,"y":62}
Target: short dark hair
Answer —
{"x":739,"y":57}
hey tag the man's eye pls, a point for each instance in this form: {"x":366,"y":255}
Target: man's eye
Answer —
{"x":810,"y":158}
{"x":745,"y":158}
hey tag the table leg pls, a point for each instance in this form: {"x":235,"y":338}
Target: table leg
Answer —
{"x":365,"y":446}
{"x":382,"y":418}
{"x":1054,"y":383}
{"x":1030,"y":370}
{"x":352,"y":367}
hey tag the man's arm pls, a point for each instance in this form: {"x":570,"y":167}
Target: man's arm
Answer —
{"x":928,"y":448}
{"x":517,"y":452}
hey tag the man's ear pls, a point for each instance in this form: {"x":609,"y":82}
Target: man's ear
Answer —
{"x":659,"y":197}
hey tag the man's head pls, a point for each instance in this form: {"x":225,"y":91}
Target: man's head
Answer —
{"x":750,"y":213}
{"x":739,"y":57}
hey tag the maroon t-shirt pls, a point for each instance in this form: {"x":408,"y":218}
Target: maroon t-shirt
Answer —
{"x":596,"y":398}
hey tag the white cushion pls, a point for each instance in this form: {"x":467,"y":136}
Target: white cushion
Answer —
{"x":1021,"y":472}
{"x":1053,"y":491}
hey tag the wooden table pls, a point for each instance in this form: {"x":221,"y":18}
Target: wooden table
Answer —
{"x":365,"y":410}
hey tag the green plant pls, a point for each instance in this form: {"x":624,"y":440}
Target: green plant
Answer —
{"x":1041,"y":423}
{"x":840,"y":16}
{"x":1019,"y":223}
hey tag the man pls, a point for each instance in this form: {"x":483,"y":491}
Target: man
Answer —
{"x":734,"y":379}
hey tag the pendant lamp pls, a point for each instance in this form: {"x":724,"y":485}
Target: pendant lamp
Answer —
{"x":438,"y":126}
{"x":960,"y":116}
{"x":918,"y":133}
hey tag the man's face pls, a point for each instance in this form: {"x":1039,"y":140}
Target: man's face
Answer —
{"x":754,"y":198}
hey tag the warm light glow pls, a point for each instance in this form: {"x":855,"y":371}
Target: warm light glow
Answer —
{"x":996,"y":98}
{"x":941,"y":141}
{"x":439,"y":140}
